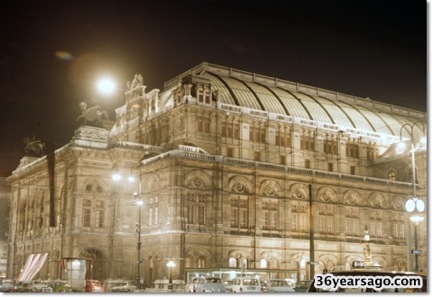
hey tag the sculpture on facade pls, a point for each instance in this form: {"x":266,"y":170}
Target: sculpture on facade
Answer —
{"x":92,"y":114}
{"x":34,"y":147}
{"x":136,"y":82}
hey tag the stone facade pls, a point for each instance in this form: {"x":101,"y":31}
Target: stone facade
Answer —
{"x":224,"y":186}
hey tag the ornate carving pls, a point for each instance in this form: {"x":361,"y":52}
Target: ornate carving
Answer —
{"x":34,"y":147}
{"x":92,"y":114}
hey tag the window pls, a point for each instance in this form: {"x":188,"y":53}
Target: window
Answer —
{"x":232,"y":262}
{"x":231,"y":130}
{"x":375,"y":224}
{"x":230,"y":152}
{"x":153,"y":211}
{"x":239,"y":212}
{"x":257,"y":134}
{"x":197,"y":209}
{"x":398,"y":226}
{"x":283,"y":160}
{"x":325,"y":219}
{"x":353,"y":170}
{"x":352,"y":150}
{"x":299,"y":217}
{"x":331,"y":145}
{"x":352,"y":221}
{"x":307,"y":140}
{"x":204,"y":94}
{"x":283,"y":138}
{"x":86,"y":213}
{"x":391,"y":175}
{"x":203,"y":124}
{"x":270,"y":211}
{"x":307,"y":163}
{"x":257,"y":156}
{"x":330,"y":167}
{"x":372,"y":151}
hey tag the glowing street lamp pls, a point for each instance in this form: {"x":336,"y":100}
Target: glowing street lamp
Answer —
{"x":170,"y":266}
{"x":414,"y":205}
{"x":105,"y":86}
{"x":139,"y":203}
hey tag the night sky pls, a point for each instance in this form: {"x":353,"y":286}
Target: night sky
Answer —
{"x":52,"y":52}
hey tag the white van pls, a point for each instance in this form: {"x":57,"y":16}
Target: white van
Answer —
{"x":242,"y":284}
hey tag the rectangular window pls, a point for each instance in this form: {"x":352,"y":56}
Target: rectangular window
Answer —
{"x":257,"y":134}
{"x":203,"y":124}
{"x":150,"y":216}
{"x":257,"y":156}
{"x":86,"y":217}
{"x":330,"y":146}
{"x":307,"y":163}
{"x":330,"y":167}
{"x":353,"y":170}
{"x":197,"y":209}
{"x":156,"y":215}
{"x":99,"y":218}
{"x":307,"y":141}
{"x":239,"y":212}
{"x":270,"y":210}
{"x":283,"y":160}
{"x":352,"y":150}
{"x":230,"y":152}
{"x":231,"y":130}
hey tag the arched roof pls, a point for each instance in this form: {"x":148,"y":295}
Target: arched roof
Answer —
{"x":239,"y":88}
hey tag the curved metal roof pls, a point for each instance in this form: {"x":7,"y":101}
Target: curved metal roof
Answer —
{"x":280,"y":100}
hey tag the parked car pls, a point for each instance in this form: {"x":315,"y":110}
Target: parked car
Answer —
{"x":302,"y":286}
{"x":122,"y":286}
{"x":244,"y":284}
{"x":93,"y":285}
{"x":279,"y":286}
{"x":6,"y":285}
{"x":190,"y":287}
{"x":372,"y":273}
{"x":37,"y":285}
{"x":210,"y":284}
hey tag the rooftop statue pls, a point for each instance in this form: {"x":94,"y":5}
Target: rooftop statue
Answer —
{"x":136,"y":82}
{"x":34,"y":147}
{"x":92,"y":113}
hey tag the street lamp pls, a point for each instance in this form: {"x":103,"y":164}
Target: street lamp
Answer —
{"x":414,"y":205}
{"x":170,"y":265}
{"x":139,"y":203}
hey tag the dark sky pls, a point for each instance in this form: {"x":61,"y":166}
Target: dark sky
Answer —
{"x":366,"y":48}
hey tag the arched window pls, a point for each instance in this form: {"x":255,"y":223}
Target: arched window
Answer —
{"x":391,"y":175}
{"x":232,"y":262}
{"x":202,"y":262}
{"x":263,"y":263}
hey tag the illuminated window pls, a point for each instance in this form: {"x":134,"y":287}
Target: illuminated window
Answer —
{"x":239,"y":212}
{"x":391,"y":175}
{"x":299,"y":217}
{"x":326,"y":219}
{"x":375,"y":224}
{"x":270,"y":212}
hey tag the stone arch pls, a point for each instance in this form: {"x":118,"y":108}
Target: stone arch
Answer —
{"x":240,"y":255}
{"x":327,"y":261}
{"x":153,"y":182}
{"x":197,"y":179}
{"x":352,"y":197}
{"x":299,"y":192}
{"x":270,"y":188}
{"x":199,"y":257}
{"x":240,"y":184}
{"x":327,"y":194}
{"x":398,"y":203}
{"x":94,"y":263}
{"x":377,"y":200}
{"x":273,"y":258}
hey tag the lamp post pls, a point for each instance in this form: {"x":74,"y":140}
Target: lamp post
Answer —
{"x":139,"y":203}
{"x":170,"y":265}
{"x":414,"y":205}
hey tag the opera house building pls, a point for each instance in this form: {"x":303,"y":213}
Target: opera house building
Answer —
{"x":224,"y":171}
